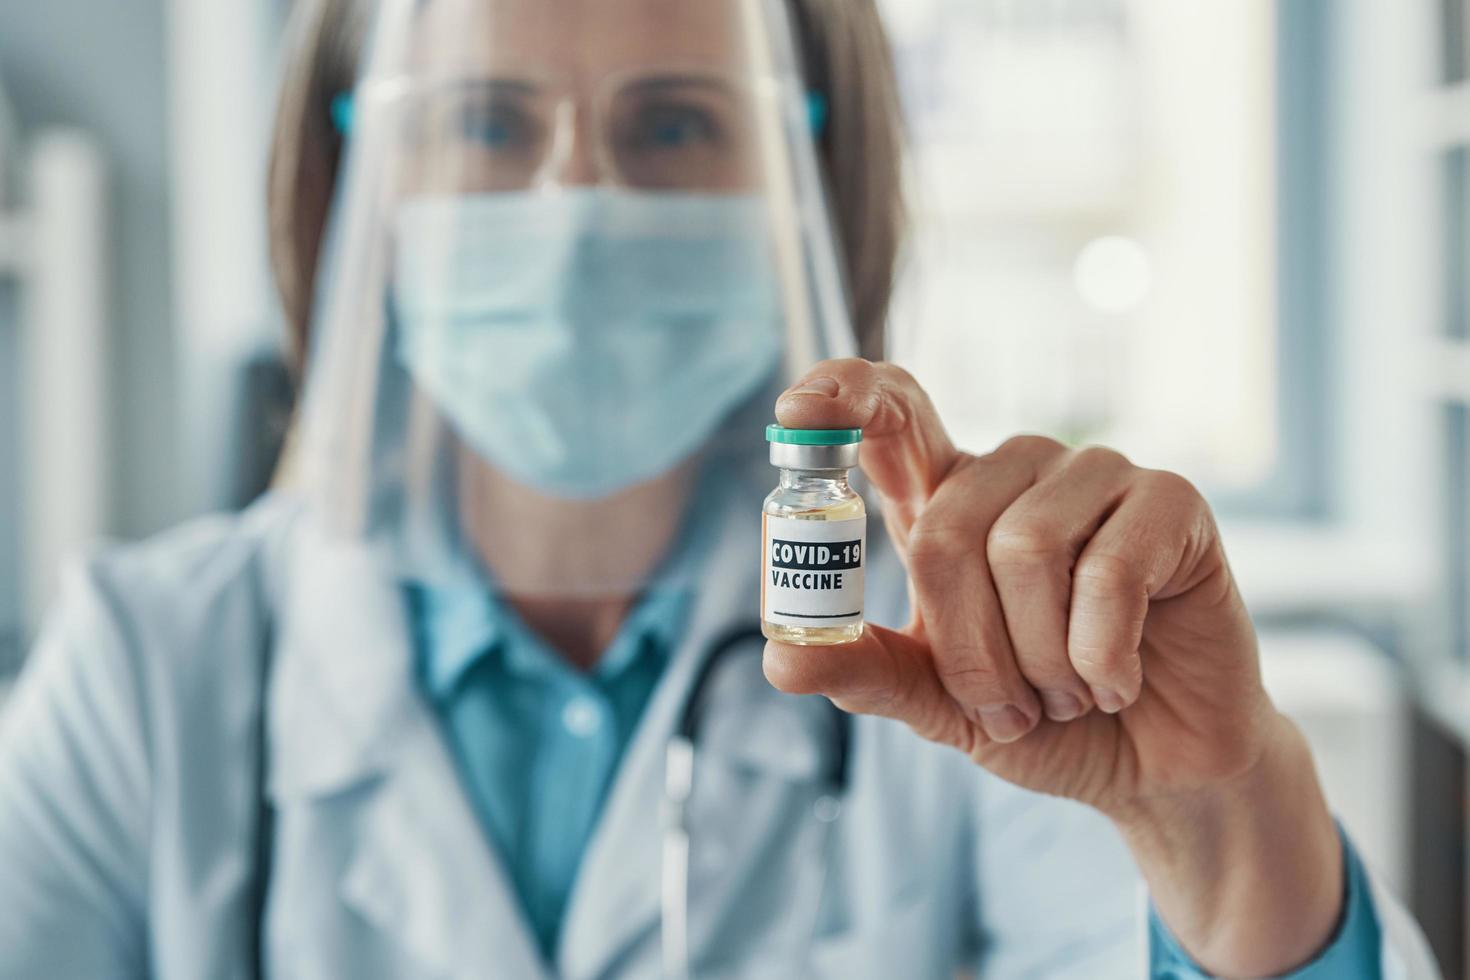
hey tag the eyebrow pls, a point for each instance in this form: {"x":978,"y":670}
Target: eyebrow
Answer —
{"x":666,"y":82}
{"x":501,"y":86}
{"x":484,"y":93}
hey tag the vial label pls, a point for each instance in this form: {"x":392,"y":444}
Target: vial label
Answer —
{"x":813,"y":571}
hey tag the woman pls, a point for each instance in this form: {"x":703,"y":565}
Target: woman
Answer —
{"x":547,"y":263}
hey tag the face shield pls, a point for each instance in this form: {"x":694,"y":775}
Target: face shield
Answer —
{"x":577,"y":246}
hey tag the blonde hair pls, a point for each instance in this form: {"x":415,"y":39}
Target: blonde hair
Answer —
{"x":846,"y":57}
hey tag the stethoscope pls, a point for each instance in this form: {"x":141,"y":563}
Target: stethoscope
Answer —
{"x":679,"y":772}
{"x":679,"y":776}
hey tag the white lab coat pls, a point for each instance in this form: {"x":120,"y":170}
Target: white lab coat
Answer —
{"x":128,"y":803}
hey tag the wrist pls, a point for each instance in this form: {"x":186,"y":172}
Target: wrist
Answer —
{"x":1246,"y":872}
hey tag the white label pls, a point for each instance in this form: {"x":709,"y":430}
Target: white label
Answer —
{"x":812,"y":572}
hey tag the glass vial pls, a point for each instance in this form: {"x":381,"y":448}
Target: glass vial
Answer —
{"x":814,"y":539}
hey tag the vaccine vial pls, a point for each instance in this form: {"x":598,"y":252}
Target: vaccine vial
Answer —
{"x":814,"y":539}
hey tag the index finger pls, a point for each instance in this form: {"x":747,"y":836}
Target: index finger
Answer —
{"x":906,"y":453}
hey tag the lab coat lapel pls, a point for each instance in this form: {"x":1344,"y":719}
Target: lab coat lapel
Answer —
{"x":422,"y":871}
{"x":615,"y":902}
{"x":346,"y":715}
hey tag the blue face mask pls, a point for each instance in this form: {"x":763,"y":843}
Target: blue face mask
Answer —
{"x":585,"y":341}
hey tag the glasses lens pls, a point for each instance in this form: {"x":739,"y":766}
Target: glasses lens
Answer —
{"x":680,"y":131}
{"x":484,"y":135}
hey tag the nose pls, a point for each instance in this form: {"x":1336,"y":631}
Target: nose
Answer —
{"x":579,"y":167}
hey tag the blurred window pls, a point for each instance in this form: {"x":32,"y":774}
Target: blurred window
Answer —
{"x":1454,"y":276}
{"x":1119,"y":238}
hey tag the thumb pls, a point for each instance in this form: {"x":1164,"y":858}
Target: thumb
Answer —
{"x":886,"y":672}
{"x":905,"y":451}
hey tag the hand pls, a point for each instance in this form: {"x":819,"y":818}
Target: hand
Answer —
{"x":1076,"y":631}
{"x":1047,"y":583}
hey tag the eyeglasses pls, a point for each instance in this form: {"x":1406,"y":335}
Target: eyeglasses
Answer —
{"x":672,"y":129}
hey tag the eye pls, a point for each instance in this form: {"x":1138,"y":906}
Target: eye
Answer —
{"x":675,"y":126}
{"x":501,"y":126}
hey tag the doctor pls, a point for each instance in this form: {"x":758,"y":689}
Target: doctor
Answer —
{"x":550,"y":264}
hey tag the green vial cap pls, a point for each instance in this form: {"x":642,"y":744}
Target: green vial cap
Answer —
{"x":813,"y":437}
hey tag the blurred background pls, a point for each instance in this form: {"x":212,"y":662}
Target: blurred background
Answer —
{"x":1227,"y":237}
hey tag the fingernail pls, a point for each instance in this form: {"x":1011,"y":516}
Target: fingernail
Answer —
{"x":1061,"y":706}
{"x":1108,"y":700}
{"x":826,"y":387}
{"x":1004,"y":722}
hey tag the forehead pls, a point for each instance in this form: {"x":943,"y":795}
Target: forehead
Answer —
{"x":577,"y":38}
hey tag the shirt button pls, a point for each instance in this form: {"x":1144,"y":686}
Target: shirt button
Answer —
{"x":581,"y":717}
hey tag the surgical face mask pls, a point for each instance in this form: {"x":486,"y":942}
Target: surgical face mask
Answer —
{"x":583,"y":341}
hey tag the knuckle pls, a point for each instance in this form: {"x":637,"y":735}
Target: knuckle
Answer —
{"x":1030,"y":446}
{"x":1102,"y":458}
{"x":1172,"y":486}
{"x":936,"y":548}
{"x":1029,"y":540}
{"x":1107,"y":577}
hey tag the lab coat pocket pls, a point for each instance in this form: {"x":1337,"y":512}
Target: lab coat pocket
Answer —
{"x":754,"y":864}
{"x":900,"y":942}
{"x":905,"y":941}
{"x":762,"y":876}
